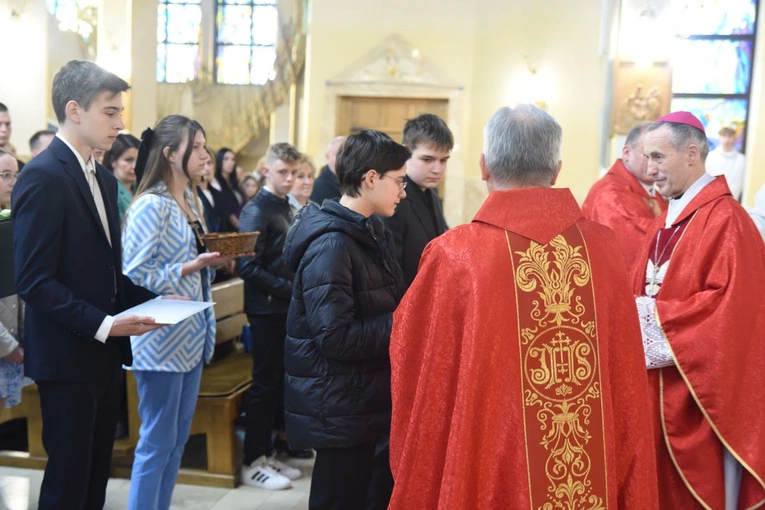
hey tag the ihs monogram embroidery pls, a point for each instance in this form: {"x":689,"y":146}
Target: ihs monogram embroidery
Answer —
{"x":563,"y":413}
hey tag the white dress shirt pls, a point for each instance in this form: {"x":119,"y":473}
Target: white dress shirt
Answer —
{"x":89,"y":169}
{"x":730,"y":164}
{"x":676,"y":205}
{"x":758,"y":211}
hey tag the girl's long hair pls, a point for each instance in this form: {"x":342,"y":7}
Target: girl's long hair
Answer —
{"x":232,"y":184}
{"x":170,"y":133}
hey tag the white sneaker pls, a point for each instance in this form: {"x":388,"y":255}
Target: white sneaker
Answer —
{"x":259,"y":474}
{"x":283,"y":469}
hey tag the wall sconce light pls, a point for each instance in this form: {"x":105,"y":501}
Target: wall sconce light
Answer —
{"x":532,"y":85}
{"x":17,"y":12}
{"x":78,"y":16}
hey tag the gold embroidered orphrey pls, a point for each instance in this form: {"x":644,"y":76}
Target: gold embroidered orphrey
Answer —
{"x":561,"y":385}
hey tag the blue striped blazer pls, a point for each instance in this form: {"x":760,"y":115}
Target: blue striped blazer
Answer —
{"x":157,"y":240}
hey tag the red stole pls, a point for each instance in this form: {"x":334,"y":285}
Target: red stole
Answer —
{"x":711,"y":311}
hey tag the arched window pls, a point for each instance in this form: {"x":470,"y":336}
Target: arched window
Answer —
{"x":242,"y":36}
{"x":178,"y":36}
{"x":712,"y":66}
{"x":245,"y":40}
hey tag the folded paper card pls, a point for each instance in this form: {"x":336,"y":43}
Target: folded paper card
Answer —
{"x":167,"y":311}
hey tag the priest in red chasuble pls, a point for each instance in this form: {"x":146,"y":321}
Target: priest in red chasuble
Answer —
{"x":624,"y":199}
{"x":702,"y":316}
{"x":518,"y":376}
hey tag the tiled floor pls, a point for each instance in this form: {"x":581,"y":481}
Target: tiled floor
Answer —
{"x":19,"y":489}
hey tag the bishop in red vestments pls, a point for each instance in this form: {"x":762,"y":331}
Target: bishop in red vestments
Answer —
{"x":702,"y":317}
{"x":624,"y":199}
{"x":517,"y":369}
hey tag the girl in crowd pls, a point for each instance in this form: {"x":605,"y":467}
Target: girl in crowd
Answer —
{"x":162,"y":252}
{"x":228,"y":184}
{"x":11,"y":308}
{"x":250,"y":187}
{"x":303,"y":187}
{"x":120,"y":160}
{"x":212,"y":200}
{"x":214,"y":213}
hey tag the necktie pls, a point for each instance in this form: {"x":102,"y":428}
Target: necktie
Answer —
{"x":99,"y":199}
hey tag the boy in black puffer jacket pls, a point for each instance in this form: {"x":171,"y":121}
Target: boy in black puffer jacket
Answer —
{"x":347,"y":285}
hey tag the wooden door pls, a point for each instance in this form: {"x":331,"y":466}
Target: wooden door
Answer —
{"x":386,"y":114}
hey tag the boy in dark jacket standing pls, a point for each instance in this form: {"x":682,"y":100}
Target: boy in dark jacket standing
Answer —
{"x":267,"y":291}
{"x":347,"y":285}
{"x":419,"y":218}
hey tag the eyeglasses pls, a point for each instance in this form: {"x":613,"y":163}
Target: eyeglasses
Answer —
{"x":401,"y":182}
{"x":9,"y":177}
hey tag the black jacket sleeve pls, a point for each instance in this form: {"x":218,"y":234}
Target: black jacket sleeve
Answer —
{"x":397,"y":224}
{"x":252,"y":269}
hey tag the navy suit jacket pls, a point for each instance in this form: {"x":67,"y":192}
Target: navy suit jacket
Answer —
{"x":65,"y":269}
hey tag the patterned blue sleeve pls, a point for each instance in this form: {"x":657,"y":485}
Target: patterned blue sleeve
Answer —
{"x":147,"y":238}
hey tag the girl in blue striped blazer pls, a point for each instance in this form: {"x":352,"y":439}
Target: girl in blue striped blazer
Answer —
{"x":162,"y":252}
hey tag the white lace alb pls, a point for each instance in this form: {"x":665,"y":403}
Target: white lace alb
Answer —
{"x":657,"y":351}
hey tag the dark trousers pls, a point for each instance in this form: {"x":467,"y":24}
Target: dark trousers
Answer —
{"x":265,"y":406}
{"x":78,"y":435}
{"x":381,"y":486}
{"x":342,"y":479}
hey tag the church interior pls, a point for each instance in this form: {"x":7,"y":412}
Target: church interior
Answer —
{"x":257,"y":72}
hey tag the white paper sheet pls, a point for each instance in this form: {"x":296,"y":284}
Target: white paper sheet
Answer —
{"x":167,"y":311}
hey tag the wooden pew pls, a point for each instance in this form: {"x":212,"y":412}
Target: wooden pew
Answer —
{"x":224,"y":385}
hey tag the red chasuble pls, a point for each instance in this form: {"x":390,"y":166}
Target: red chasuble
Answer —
{"x":711,"y":310}
{"x":518,"y":374}
{"x":621,"y":203}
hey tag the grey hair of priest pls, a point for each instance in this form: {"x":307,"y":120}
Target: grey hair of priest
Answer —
{"x":683,"y":135}
{"x":522,"y":146}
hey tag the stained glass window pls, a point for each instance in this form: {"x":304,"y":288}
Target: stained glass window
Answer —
{"x":729,"y":61}
{"x":712,"y":65}
{"x":178,"y":34}
{"x":714,"y":112}
{"x":245,"y":41}
{"x":718,"y":17}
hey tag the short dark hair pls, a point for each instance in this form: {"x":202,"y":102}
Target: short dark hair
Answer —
{"x":82,"y":81}
{"x":34,"y":142}
{"x":427,"y":129}
{"x":3,"y":108}
{"x":122,"y":143}
{"x":636,"y":132}
{"x":367,"y":150}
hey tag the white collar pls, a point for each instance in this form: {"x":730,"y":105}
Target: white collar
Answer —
{"x":84,"y":167}
{"x":676,"y":205}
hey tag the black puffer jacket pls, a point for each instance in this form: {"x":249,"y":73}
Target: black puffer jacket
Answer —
{"x":337,"y":368}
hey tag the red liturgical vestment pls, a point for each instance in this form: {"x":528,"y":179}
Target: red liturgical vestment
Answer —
{"x":711,"y":311}
{"x":621,"y":203}
{"x":518,"y":378}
